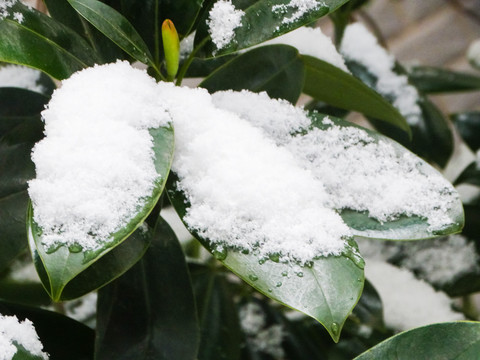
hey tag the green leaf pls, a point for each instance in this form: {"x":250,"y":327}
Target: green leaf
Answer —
{"x":163,"y":324}
{"x":62,"y":337}
{"x":468,"y":125}
{"x":470,"y":175}
{"x":330,"y":286}
{"x":43,"y":43}
{"x":219,"y":323}
{"x":25,"y":292}
{"x":455,"y":340}
{"x":116,"y":27}
{"x":432,"y":80}
{"x":264,"y":20}
{"x":68,"y":273}
{"x":276,"y":69}
{"x":63,"y":12}
{"x":328,"y":83}
{"x":432,"y":138}
{"x":411,"y":228}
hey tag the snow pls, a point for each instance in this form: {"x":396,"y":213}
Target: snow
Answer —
{"x":473,"y":53}
{"x":360,"y":45}
{"x":186,"y":45}
{"x":223,"y":19}
{"x":260,"y":337}
{"x":302,"y":7}
{"x":387,"y":184}
{"x":239,"y":185}
{"x":82,"y":309}
{"x":5,"y":6}
{"x":22,"y":77}
{"x":312,"y":42}
{"x":14,"y":333}
{"x":95,"y":166}
{"x":408,"y":302}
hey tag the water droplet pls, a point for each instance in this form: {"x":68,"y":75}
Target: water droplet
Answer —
{"x":309,"y":264}
{"x":278,"y":284}
{"x":270,"y":290}
{"x":275,"y":257}
{"x":284,"y":273}
{"x":220,"y":253}
{"x":75,"y":248}
{"x":253,"y":277}
{"x":359,"y":280}
{"x":300,"y":274}
{"x":335,"y":328}
{"x":245,"y":251}
{"x":262,"y":261}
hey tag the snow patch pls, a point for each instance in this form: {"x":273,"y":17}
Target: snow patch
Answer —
{"x":21,"y":77}
{"x":223,"y":19}
{"x":302,"y":7}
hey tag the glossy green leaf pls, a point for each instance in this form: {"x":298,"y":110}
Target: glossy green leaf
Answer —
{"x":470,"y":175}
{"x":62,"y":337}
{"x":336,"y":87}
{"x":43,"y":43}
{"x":68,"y":274}
{"x":314,"y":290}
{"x":468,"y":125}
{"x":267,"y":68}
{"x":25,"y":292}
{"x":455,"y":340}
{"x":217,"y":315}
{"x":432,"y":138}
{"x":403,"y":228}
{"x":63,"y":12}
{"x":162,"y":323}
{"x":264,"y":20}
{"x":432,"y":80}
{"x":341,"y":18}
{"x":115,"y":26}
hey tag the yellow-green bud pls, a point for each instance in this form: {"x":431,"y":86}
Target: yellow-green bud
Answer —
{"x":171,"y":48}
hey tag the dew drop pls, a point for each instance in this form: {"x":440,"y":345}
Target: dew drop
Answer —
{"x":245,"y":251}
{"x":220,"y":253}
{"x":262,"y":261}
{"x":75,"y":248}
{"x":275,"y":257}
{"x":270,"y":290}
{"x":309,"y":264}
{"x":300,"y":274}
{"x":284,"y":273}
{"x":253,"y":277}
{"x":278,"y":284}
{"x":335,"y":328}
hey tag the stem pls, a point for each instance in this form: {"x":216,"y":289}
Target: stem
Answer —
{"x":188,"y":62}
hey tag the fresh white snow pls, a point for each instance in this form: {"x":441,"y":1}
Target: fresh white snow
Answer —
{"x":408,"y":302}
{"x":15,"y":333}
{"x":360,"y":45}
{"x":223,"y":19}
{"x":20,"y":76}
{"x":96,"y":166}
{"x":300,"y":7}
{"x":312,"y":42}
{"x":473,"y":53}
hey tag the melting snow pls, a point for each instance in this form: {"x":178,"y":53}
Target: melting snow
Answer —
{"x":13,"y":332}
{"x":360,"y":45}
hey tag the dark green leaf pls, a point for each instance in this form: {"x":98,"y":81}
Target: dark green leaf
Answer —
{"x":336,"y":87}
{"x":321,"y":297}
{"x":276,"y":69}
{"x":69,"y":274}
{"x":24,"y":292}
{"x":219,"y":324}
{"x":62,"y":337}
{"x":411,"y":228}
{"x":149,"y":312}
{"x":63,"y":12}
{"x":470,"y":175}
{"x":432,"y":137}
{"x":432,"y":80}
{"x":204,"y":67}
{"x":262,"y":21}
{"x":468,"y":125}
{"x":341,"y":18}
{"x":455,"y":340}
{"x":116,"y":27}
{"x":43,"y":43}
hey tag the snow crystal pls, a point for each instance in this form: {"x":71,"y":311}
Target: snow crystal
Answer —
{"x":5,"y":6}
{"x":223,"y":19}
{"x":338,"y":155}
{"x":302,"y":7}
{"x":312,"y":42}
{"x":186,"y":45}
{"x":20,"y":76}
{"x":13,"y":332}
{"x":262,"y":338}
{"x":95,"y":166}
{"x":408,"y":302}
{"x":360,"y":45}
{"x":234,"y":177}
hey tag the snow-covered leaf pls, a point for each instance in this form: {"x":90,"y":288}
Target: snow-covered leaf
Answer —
{"x":31,"y":38}
{"x":234,"y":25}
{"x":454,"y":340}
